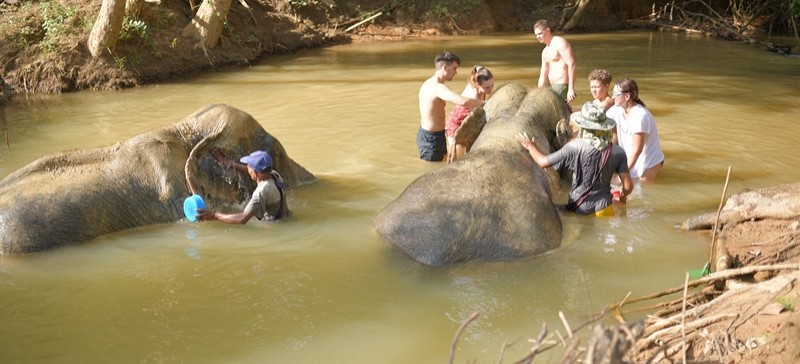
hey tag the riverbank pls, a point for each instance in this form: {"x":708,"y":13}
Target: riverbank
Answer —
{"x":43,"y":45}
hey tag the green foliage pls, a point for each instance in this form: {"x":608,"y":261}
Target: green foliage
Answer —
{"x":795,"y":6}
{"x":439,"y":10}
{"x":58,"y":22}
{"x":19,"y":31}
{"x":120,"y":61}
{"x":132,"y":29}
{"x":788,"y":303}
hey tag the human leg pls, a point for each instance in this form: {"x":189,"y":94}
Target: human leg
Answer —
{"x":432,"y":146}
{"x":649,"y":175}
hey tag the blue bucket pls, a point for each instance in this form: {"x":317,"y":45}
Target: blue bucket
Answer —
{"x":190,"y":206}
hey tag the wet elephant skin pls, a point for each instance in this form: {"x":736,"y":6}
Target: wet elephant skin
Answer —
{"x":495,"y":203}
{"x":76,"y":196}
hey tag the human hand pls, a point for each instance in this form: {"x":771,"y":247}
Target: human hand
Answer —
{"x":523,"y":139}
{"x":618,"y":196}
{"x":205,"y":215}
{"x":571,"y":95}
{"x":221,"y":158}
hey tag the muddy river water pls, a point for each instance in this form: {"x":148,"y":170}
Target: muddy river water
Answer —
{"x":323,"y":287}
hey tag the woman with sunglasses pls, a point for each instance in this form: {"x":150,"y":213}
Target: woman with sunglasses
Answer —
{"x":479,"y":86}
{"x":636,"y":131}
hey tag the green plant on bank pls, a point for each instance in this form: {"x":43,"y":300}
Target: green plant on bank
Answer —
{"x":18,"y":31}
{"x":60,"y":21}
{"x":318,"y":4}
{"x":439,"y":10}
{"x":788,"y":303}
{"x":120,"y":61}
{"x":225,"y":24}
{"x":132,"y":29}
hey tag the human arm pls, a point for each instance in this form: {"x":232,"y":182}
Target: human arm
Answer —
{"x":569,"y":61}
{"x":545,"y":69}
{"x":537,"y":156}
{"x":235,"y":218}
{"x":444,"y":93}
{"x":627,"y":186}
{"x":637,"y":145}
{"x":224,"y":161}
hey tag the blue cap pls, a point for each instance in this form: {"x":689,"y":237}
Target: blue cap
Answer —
{"x":258,"y":160}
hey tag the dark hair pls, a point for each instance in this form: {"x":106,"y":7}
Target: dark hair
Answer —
{"x":479,"y":75}
{"x":445,"y":58}
{"x":602,"y":75}
{"x":629,"y":85}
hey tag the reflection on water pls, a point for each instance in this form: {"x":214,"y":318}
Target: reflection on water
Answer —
{"x":322,"y":286}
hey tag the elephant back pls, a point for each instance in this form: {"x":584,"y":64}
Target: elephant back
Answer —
{"x":494,"y":203}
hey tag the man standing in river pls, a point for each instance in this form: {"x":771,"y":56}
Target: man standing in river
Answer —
{"x":433,"y":95}
{"x":558,"y":63}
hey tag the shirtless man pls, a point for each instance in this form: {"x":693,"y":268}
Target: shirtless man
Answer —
{"x":433,"y":94}
{"x":558,"y":63}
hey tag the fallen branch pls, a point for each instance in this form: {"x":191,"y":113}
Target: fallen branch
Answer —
{"x":356,"y":25}
{"x":716,"y":276}
{"x":719,"y":212}
{"x":458,"y":334}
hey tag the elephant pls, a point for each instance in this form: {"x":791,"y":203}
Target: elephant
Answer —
{"x":76,"y":196}
{"x":777,"y":202}
{"x":495,"y":203}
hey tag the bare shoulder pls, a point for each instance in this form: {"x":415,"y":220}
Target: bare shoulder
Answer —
{"x":559,"y":43}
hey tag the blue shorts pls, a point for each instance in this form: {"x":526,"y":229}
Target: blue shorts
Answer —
{"x":432,"y":145}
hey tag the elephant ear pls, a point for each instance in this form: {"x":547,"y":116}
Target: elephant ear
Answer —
{"x":563,"y":134}
{"x":470,"y":128}
{"x":204,"y":145}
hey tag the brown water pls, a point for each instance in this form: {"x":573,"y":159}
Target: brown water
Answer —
{"x":322,"y":287}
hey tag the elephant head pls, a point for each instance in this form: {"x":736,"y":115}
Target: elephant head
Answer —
{"x":494,"y":203}
{"x":76,"y":196}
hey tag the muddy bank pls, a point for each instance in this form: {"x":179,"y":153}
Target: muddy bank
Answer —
{"x":43,"y":45}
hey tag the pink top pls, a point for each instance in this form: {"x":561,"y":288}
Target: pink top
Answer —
{"x":454,"y":120}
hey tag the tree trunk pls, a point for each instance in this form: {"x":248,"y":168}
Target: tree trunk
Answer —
{"x":576,"y":18}
{"x":206,"y":26}
{"x":105,"y":31}
{"x":132,"y":8}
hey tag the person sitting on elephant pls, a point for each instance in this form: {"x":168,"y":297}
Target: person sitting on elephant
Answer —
{"x":593,"y":160}
{"x":268,"y":201}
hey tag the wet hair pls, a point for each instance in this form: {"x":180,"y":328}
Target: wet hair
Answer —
{"x":541,"y":24}
{"x":629,"y":85}
{"x":602,"y":75}
{"x":445,"y":58}
{"x":479,"y":75}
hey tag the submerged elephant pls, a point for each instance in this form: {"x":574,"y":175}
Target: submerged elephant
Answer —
{"x":76,"y":196}
{"x":778,"y":202}
{"x":494,"y":203}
